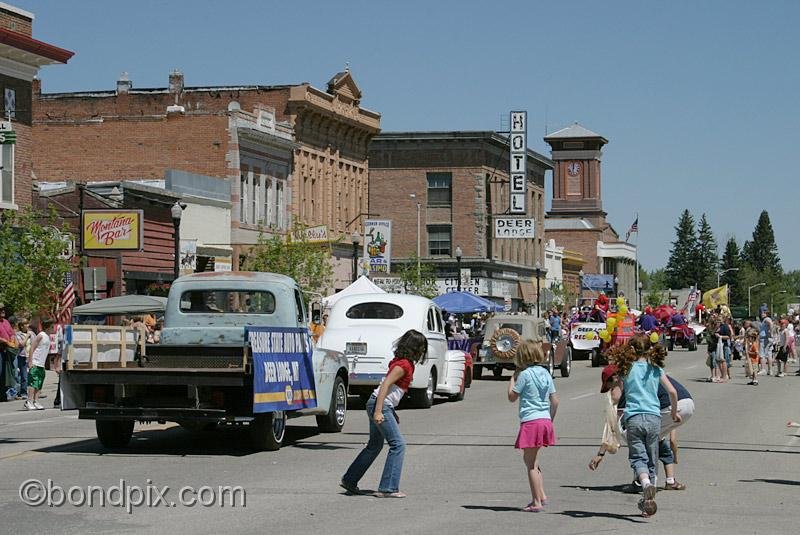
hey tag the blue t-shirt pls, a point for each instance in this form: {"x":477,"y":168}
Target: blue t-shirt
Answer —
{"x":663,"y":396}
{"x":641,"y":389}
{"x":534,"y":386}
{"x":555,"y":324}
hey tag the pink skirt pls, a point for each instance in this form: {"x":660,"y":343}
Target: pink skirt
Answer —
{"x":536,"y":434}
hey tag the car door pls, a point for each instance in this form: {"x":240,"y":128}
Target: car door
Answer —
{"x":437,"y":342}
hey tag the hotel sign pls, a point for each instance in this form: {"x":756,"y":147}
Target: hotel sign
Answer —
{"x":518,"y":172}
{"x":112,"y":230}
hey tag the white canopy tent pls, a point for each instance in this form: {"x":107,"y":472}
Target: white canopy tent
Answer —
{"x":362,"y":286}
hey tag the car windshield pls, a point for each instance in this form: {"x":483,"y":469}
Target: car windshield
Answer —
{"x":374,"y":311}
{"x":227,"y":302}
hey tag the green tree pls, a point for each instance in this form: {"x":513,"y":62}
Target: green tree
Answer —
{"x":422,"y":282}
{"x":31,"y":271}
{"x":656,"y":280}
{"x":681,"y":269}
{"x":707,"y":258}
{"x":734,"y":278}
{"x":564,"y":296}
{"x":761,"y":253}
{"x":307,"y":263}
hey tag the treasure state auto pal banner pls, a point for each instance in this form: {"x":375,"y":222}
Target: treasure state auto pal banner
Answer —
{"x":283,"y":374}
{"x":378,"y":245}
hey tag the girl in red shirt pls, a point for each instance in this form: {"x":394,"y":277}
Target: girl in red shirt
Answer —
{"x":410,"y":349}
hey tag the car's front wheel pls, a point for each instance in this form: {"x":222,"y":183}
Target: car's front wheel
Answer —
{"x":566,"y":362}
{"x":333,"y":422}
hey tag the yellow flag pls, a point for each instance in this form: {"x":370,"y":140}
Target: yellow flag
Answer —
{"x":717,"y":296}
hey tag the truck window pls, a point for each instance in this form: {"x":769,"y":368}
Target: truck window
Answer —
{"x":374,"y":311}
{"x":301,"y":315}
{"x":437,"y":315}
{"x":227,"y":302}
{"x":516,"y":326}
{"x":431,"y":321}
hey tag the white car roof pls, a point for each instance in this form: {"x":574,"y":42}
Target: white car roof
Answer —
{"x":411,"y":304}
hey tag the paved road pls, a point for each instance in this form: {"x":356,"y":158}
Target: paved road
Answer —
{"x":462,"y":474}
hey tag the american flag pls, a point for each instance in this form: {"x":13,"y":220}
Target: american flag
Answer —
{"x":66,"y":300}
{"x":634,"y":228}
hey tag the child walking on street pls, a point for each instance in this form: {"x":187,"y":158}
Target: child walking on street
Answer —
{"x":36,"y":361}
{"x":384,"y":423}
{"x":752,"y":357}
{"x":640,"y":364}
{"x":533,"y":386}
{"x":24,"y":337}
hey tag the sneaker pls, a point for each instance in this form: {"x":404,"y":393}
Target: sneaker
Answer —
{"x":780,"y":374}
{"x":397,"y":494}
{"x":755,"y":383}
{"x":38,"y":406}
{"x":649,"y":506}
{"x":751,"y":383}
{"x":29,"y":406}
{"x":762,"y":372}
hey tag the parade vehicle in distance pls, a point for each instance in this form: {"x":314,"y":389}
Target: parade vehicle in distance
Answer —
{"x":683,"y":336}
{"x":364,"y":327}
{"x":234,"y":351}
{"x":582,"y":344}
{"x":504,"y":332}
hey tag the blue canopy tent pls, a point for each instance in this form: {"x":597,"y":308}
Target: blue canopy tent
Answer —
{"x":465,"y":302}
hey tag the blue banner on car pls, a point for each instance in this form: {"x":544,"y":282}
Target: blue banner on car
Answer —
{"x":283,"y":374}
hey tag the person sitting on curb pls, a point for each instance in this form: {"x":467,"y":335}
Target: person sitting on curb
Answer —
{"x":668,"y":445}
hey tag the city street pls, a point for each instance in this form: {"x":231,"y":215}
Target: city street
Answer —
{"x":462,"y":474}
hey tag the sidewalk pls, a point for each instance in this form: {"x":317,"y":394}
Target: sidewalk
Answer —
{"x":49,"y":390}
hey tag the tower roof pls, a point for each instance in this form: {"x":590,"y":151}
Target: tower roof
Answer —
{"x":575,"y":131}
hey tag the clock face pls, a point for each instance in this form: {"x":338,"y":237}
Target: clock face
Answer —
{"x":574,"y":168}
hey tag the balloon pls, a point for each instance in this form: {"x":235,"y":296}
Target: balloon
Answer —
{"x":591,"y":335}
{"x":620,"y":301}
{"x":623,"y":310}
{"x":603,"y":334}
{"x":606,"y":338}
{"x":611,"y":323}
{"x":654,"y":338}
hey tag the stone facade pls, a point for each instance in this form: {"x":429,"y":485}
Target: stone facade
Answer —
{"x":477,"y":166}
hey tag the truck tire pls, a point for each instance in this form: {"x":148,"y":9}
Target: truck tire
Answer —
{"x":477,"y":372}
{"x":504,"y":343}
{"x":333,"y":422}
{"x":422,"y":398}
{"x":595,"y":355}
{"x":566,"y":363}
{"x":267,"y":430}
{"x":114,"y":433}
{"x":551,"y":362}
{"x":671,"y":344}
{"x":693,"y":345}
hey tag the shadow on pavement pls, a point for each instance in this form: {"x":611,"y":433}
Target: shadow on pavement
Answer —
{"x":776,"y":481}
{"x":181,"y":442}
{"x":624,"y":488}
{"x":636,"y":519}
{"x":496,"y":508}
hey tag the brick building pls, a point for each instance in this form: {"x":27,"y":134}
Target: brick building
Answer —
{"x":289,"y":152}
{"x":21,"y":57}
{"x":576,"y":219}
{"x":459,"y":183}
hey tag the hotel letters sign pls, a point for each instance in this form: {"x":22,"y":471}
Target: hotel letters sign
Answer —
{"x":112,"y":230}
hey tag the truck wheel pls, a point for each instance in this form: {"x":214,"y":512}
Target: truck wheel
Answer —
{"x":333,"y":422}
{"x":267,"y":430}
{"x":114,"y":433}
{"x":566,"y":363}
{"x":671,"y":344}
{"x":477,"y":372}
{"x":693,"y":345}
{"x":551,"y":362}
{"x":595,"y":355}
{"x":423,"y":397}
{"x":497,"y":371}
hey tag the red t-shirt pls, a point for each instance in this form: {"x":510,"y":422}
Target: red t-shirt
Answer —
{"x":405,"y":381}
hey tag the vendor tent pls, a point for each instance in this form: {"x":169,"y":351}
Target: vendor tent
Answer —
{"x":465,"y":302}
{"x":362,"y":286}
{"x":125,"y":304}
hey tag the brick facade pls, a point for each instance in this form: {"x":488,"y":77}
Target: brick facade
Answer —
{"x":16,"y":21}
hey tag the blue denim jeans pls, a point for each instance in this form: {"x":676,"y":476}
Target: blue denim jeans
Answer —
{"x":642,"y":433}
{"x":389,"y":430}
{"x":22,"y":376}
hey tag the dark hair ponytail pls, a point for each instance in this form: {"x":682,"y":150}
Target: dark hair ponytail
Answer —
{"x":412,"y":346}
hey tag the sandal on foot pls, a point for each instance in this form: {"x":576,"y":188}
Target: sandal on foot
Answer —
{"x":533,"y":509}
{"x":674,"y":486}
{"x":397,"y":494}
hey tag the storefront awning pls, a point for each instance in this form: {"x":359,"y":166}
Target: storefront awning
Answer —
{"x":207,"y":250}
{"x":528,"y":292}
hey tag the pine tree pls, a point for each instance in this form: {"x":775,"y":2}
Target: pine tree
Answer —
{"x":707,"y":258}
{"x":761,"y":253}
{"x":734,"y":278}
{"x":681,"y":269}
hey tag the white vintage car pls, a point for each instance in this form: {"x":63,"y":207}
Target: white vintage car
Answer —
{"x":365,"y":327}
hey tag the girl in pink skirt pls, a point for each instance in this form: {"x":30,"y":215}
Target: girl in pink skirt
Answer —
{"x":533,"y":386}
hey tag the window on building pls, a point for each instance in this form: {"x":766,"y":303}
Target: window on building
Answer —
{"x":269,"y":199}
{"x":258,"y":195}
{"x":280,"y":219}
{"x":243,"y":198}
{"x":439,"y":240}
{"x":440,"y":187}
{"x":7,"y":175}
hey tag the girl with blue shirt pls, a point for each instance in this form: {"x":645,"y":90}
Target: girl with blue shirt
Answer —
{"x":533,"y":386}
{"x":640,"y":364}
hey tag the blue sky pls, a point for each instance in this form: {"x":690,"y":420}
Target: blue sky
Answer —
{"x":699,"y":100}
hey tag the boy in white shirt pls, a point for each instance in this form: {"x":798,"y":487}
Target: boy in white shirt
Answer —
{"x":36,"y":362}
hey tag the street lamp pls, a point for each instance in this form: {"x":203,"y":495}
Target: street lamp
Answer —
{"x":640,"y":294}
{"x":538,"y":268}
{"x":580,"y":287}
{"x":616,"y":286}
{"x":458,"y":264}
{"x":748,"y":295}
{"x":419,"y":207}
{"x":356,"y":237}
{"x":176,"y":211}
{"x":771,"y":297}
{"x":720,"y":273}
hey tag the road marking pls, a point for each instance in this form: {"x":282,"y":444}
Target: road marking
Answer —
{"x":40,"y":421}
{"x":690,"y":367}
{"x":582,"y":396}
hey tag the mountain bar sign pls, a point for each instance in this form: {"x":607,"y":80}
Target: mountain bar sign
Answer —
{"x":513,"y":227}
{"x":518,"y":144}
{"x":112,"y":230}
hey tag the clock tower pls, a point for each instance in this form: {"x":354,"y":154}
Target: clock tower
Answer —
{"x":576,"y":154}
